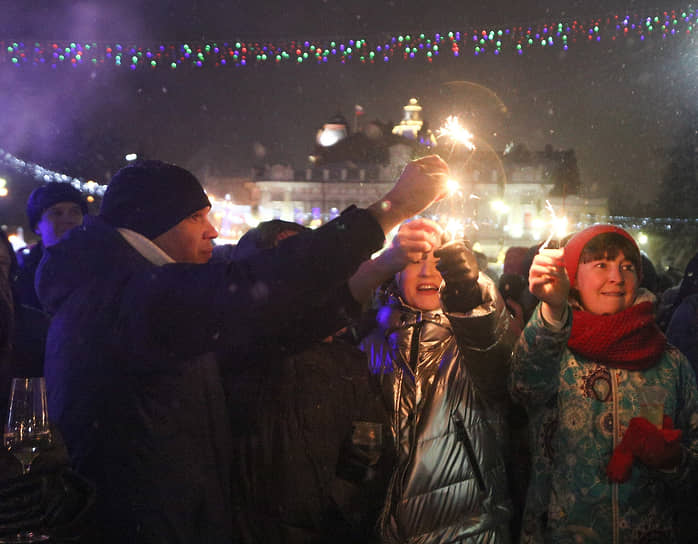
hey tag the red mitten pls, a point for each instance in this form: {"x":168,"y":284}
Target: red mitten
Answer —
{"x":656,"y":448}
{"x":667,"y":454}
{"x":621,"y":465}
{"x":670,"y":434}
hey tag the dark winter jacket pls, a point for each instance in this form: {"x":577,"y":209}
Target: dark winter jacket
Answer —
{"x":131,"y":381}
{"x":28,"y":259}
{"x":444,"y":378}
{"x":683,"y":329}
{"x":26,"y":356}
{"x":297,"y":476}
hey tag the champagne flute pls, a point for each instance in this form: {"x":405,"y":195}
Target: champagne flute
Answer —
{"x":27,"y":432}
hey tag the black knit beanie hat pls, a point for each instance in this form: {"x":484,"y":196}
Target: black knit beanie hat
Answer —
{"x":42,"y":198}
{"x":151,"y":197}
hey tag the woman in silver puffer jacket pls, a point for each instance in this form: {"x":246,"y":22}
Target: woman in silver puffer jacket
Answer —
{"x":444,"y":374}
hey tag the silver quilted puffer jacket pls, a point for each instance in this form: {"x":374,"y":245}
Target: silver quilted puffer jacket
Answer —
{"x":444,"y":378}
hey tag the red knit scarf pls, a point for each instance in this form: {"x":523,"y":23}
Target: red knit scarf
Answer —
{"x":629,"y":339}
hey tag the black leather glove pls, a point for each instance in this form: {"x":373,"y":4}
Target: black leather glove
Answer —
{"x":458,"y":266}
{"x":51,"y":498}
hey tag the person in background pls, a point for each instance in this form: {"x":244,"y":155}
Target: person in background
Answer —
{"x":52,"y":210}
{"x":23,"y":329}
{"x":512,"y":287}
{"x":683,"y":326}
{"x":301,"y":471}
{"x":51,"y":498}
{"x":483,"y":263}
{"x":137,"y":314}
{"x":670,"y":283}
{"x":583,"y":368}
{"x":440,"y":353}
{"x":649,"y":279}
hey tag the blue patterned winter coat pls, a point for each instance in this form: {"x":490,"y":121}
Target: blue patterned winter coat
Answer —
{"x":579,"y":411}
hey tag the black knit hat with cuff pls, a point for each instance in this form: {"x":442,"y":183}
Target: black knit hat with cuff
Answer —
{"x":42,"y":198}
{"x":151,"y":197}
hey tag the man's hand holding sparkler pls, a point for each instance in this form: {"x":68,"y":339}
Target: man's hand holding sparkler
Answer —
{"x":422,"y":182}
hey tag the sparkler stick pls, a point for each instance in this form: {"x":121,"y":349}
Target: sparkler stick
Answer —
{"x":555,"y":223}
{"x":455,"y":228}
{"x":553,"y":219}
{"x":458,"y":135}
{"x":473,"y":223}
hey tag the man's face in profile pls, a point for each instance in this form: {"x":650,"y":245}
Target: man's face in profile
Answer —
{"x":190,"y":240}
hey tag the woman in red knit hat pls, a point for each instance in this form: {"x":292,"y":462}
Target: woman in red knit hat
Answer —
{"x":604,"y":468}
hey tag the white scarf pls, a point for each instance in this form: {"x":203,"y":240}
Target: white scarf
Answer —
{"x":145,"y":247}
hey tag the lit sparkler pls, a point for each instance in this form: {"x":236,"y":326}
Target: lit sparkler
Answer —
{"x":454,"y":229}
{"x":557,"y":224}
{"x":453,"y":187}
{"x":456,"y":132}
{"x":454,"y":225}
{"x":473,"y":223}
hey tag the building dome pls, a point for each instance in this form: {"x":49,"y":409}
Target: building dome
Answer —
{"x":334,"y":130}
{"x":411,"y":122}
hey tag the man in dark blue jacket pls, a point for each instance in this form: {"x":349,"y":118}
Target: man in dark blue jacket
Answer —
{"x":137,"y":311}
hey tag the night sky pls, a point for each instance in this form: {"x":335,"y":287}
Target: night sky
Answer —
{"x":615,"y":105}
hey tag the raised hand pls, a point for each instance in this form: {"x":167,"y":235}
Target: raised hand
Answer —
{"x":422,"y":182}
{"x":412,"y":241}
{"x":548,"y":281}
{"x":459,"y":269}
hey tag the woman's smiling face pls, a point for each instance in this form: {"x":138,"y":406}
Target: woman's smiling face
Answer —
{"x":419,"y":283}
{"x":607,"y":286}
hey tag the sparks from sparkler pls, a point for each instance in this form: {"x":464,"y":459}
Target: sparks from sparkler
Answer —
{"x":453,"y":187}
{"x":557,"y":224}
{"x":457,"y":133}
{"x":456,"y":228}
{"x":473,"y":224}
{"x":553,"y":218}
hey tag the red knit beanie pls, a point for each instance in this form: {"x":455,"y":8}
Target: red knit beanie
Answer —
{"x":573,"y":248}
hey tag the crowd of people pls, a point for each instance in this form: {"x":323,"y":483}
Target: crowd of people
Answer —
{"x":293,"y":389}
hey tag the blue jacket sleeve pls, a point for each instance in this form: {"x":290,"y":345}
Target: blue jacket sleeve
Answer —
{"x":535,"y":367}
{"x":683,"y":328}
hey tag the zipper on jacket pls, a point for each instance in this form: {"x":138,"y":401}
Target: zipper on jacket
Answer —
{"x":463,"y":437}
{"x":414,"y":344}
{"x":614,"y":486}
{"x":412,"y":362}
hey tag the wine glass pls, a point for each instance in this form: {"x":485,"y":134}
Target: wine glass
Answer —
{"x":27,"y":432}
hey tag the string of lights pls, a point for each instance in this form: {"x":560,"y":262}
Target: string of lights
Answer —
{"x":489,"y":42}
{"x":45,"y":175}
